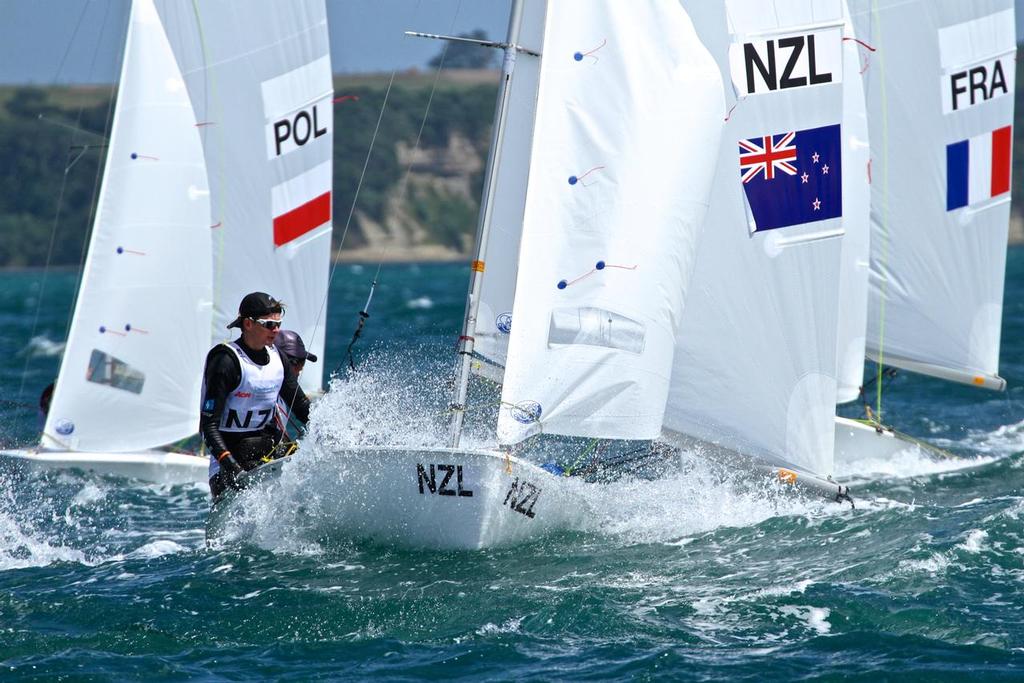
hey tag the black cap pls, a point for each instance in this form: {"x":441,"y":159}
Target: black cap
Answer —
{"x":256,"y":305}
{"x":290,"y":342}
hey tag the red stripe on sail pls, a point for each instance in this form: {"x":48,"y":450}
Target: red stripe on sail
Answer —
{"x":300,"y":220}
{"x":1002,"y":140}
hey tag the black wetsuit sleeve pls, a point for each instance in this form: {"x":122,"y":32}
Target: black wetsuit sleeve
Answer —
{"x":222,"y":374}
{"x":292,"y":394}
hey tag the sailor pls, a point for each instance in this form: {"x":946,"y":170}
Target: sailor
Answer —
{"x":242,"y":384}
{"x":289,"y":342}
{"x":291,"y":345}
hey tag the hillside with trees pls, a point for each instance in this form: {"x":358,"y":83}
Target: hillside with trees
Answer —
{"x":52,"y":146}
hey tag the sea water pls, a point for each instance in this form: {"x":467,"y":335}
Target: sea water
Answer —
{"x":691,"y":577}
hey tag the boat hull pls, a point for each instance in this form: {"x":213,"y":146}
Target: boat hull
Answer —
{"x":856,"y":441}
{"x":149,"y":466}
{"x":438,"y":498}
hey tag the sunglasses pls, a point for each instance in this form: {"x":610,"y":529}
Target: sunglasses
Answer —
{"x":267,"y":324}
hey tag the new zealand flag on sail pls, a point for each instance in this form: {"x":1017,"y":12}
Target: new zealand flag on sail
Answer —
{"x":793,"y":178}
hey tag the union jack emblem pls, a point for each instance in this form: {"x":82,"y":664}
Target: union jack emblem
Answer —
{"x":766,"y":155}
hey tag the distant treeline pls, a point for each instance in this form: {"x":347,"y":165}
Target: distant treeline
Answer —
{"x":52,"y":146}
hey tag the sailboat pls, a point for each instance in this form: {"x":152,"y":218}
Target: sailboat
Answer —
{"x":129,"y":381}
{"x":169,"y":259}
{"x":939,"y":81}
{"x":606,"y":141}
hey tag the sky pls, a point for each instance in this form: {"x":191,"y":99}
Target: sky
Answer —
{"x":79,"y":41}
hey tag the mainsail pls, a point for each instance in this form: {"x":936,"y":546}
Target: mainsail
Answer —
{"x":259,"y":73}
{"x":130,"y":376}
{"x":628,"y":117}
{"x":755,"y":364}
{"x":940,"y":88}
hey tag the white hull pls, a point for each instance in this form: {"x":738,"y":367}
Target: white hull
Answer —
{"x":859,"y":441}
{"x":150,"y":466}
{"x":437,"y":498}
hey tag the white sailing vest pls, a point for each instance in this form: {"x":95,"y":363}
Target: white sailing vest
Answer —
{"x":251,"y":406}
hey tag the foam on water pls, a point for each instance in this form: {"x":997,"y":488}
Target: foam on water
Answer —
{"x":48,"y":518}
{"x":975,"y":541}
{"x":816,"y":618}
{"x":420,"y":302}
{"x":1004,"y":440}
{"x":701,"y":497}
{"x":910,"y":462}
{"x":157,"y":549}
{"x":22,"y":547}
{"x":41,"y":346}
{"x":378,"y":405}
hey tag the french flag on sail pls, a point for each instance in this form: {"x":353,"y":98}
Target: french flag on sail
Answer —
{"x":301,"y":204}
{"x":978,"y":168}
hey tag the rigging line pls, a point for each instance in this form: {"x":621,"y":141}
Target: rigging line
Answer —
{"x":351,"y":212}
{"x":591,"y":448}
{"x":96,"y":187}
{"x":71,"y":41}
{"x":423,"y":122}
{"x":60,"y":201}
{"x":321,"y":313}
{"x":884,"y":285}
{"x":46,"y":271}
{"x":365,"y":312}
{"x":73,"y":129}
{"x":404,"y":184}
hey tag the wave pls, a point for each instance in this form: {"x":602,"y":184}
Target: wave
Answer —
{"x":41,"y":346}
{"x":420,"y":303}
{"x":65,"y":517}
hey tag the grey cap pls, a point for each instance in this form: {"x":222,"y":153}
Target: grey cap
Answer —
{"x":290,"y":342}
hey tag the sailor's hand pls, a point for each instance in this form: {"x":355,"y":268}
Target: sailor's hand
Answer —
{"x":229,"y":464}
{"x":231,"y":469}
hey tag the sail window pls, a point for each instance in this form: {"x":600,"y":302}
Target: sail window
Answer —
{"x":595,"y":327}
{"x":105,"y":369}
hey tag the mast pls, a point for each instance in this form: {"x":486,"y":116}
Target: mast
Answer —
{"x":466,"y":341}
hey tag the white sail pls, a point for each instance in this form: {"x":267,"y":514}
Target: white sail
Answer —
{"x":755,"y":363}
{"x":628,"y":118}
{"x":131,"y":371}
{"x":502,"y":257}
{"x":940,"y":92}
{"x":854,"y":266}
{"x":260,"y":78}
